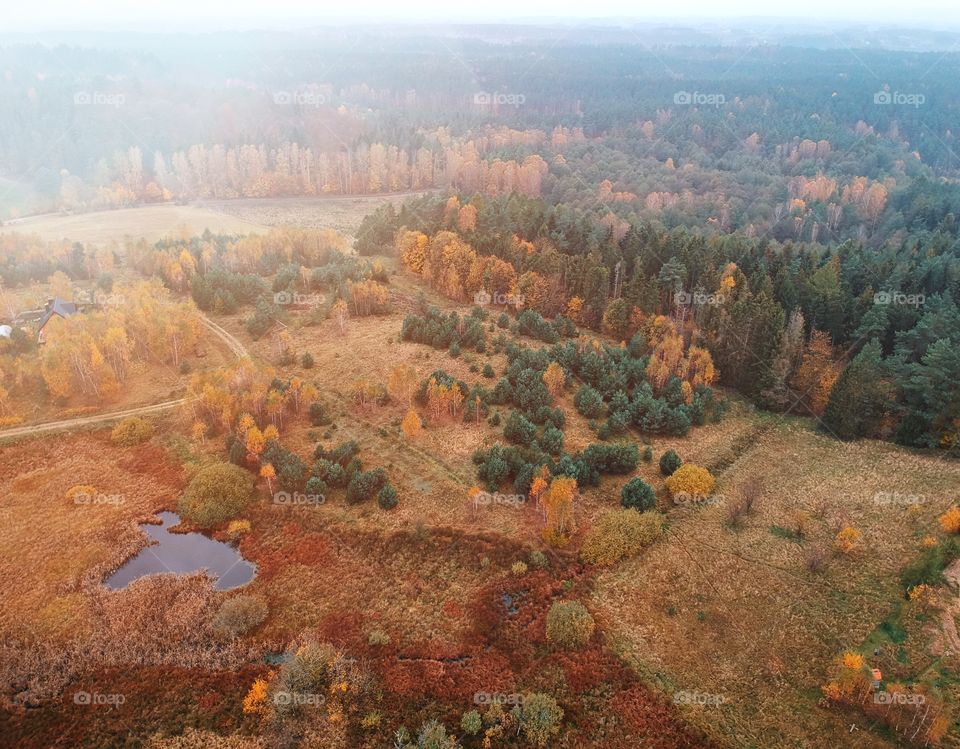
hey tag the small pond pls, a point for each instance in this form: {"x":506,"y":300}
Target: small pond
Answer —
{"x":183,"y":553}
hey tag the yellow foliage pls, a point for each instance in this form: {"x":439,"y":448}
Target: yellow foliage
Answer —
{"x":847,"y":539}
{"x":950,"y":520}
{"x":256,"y":699}
{"x":411,"y":424}
{"x":692,"y":480}
{"x":619,"y":534}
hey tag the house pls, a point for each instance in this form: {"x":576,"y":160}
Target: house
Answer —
{"x":54,"y":308}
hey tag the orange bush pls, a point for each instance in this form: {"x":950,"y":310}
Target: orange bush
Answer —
{"x":950,"y":520}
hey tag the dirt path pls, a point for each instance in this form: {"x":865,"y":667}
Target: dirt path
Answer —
{"x":235,"y":346}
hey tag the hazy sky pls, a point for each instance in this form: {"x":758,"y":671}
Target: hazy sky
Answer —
{"x":113,"y":14}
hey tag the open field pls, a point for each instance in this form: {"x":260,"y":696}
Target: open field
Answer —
{"x":343,"y":213}
{"x":152,"y":222}
{"x":737,"y":613}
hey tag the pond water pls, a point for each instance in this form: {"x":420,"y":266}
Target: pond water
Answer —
{"x":183,"y":553}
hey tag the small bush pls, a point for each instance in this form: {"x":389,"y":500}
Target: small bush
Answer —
{"x":471,"y":723}
{"x":539,"y":560}
{"x":669,"y":462}
{"x":316,"y":487}
{"x":131,"y":431}
{"x":488,"y":371}
{"x":378,"y":637}
{"x":216,"y":494}
{"x":569,"y":624}
{"x":239,"y":615}
{"x":588,"y":402}
{"x":319,"y":415}
{"x":539,"y":718}
{"x":518,"y":568}
{"x":691,"y":480}
{"x":364,"y":484}
{"x":307,"y":360}
{"x":647,"y":454}
{"x":637,"y":494}
{"x":950,"y":520}
{"x":387,"y":498}
{"x":619,"y":534}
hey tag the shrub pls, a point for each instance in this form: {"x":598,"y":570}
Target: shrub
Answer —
{"x":387,"y":498}
{"x":950,"y":520}
{"x":216,"y":494}
{"x":488,"y":371}
{"x":378,"y":637}
{"x":519,"y":429}
{"x":847,"y":539}
{"x":319,"y":415}
{"x":470,"y":723}
{"x":647,"y":454}
{"x":239,"y":615}
{"x":539,"y":718}
{"x":619,"y":534}
{"x":569,"y":624}
{"x":539,"y":560}
{"x":692,"y":480}
{"x":638,"y":495}
{"x":669,"y":462}
{"x":494,"y":420}
{"x":330,"y":473}
{"x":131,"y":431}
{"x":307,"y":360}
{"x":552,"y":440}
{"x":588,"y":402}
{"x":316,"y":487}
{"x":364,"y":484}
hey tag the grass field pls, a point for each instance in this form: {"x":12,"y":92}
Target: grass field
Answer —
{"x":151,"y":222}
{"x":737,"y":613}
{"x":342,"y":213}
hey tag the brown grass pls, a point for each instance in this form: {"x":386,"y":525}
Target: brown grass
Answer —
{"x":739,"y":614}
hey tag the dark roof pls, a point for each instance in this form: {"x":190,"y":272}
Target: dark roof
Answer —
{"x":57,"y":307}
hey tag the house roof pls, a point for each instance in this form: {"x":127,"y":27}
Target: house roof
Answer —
{"x":59,"y":308}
